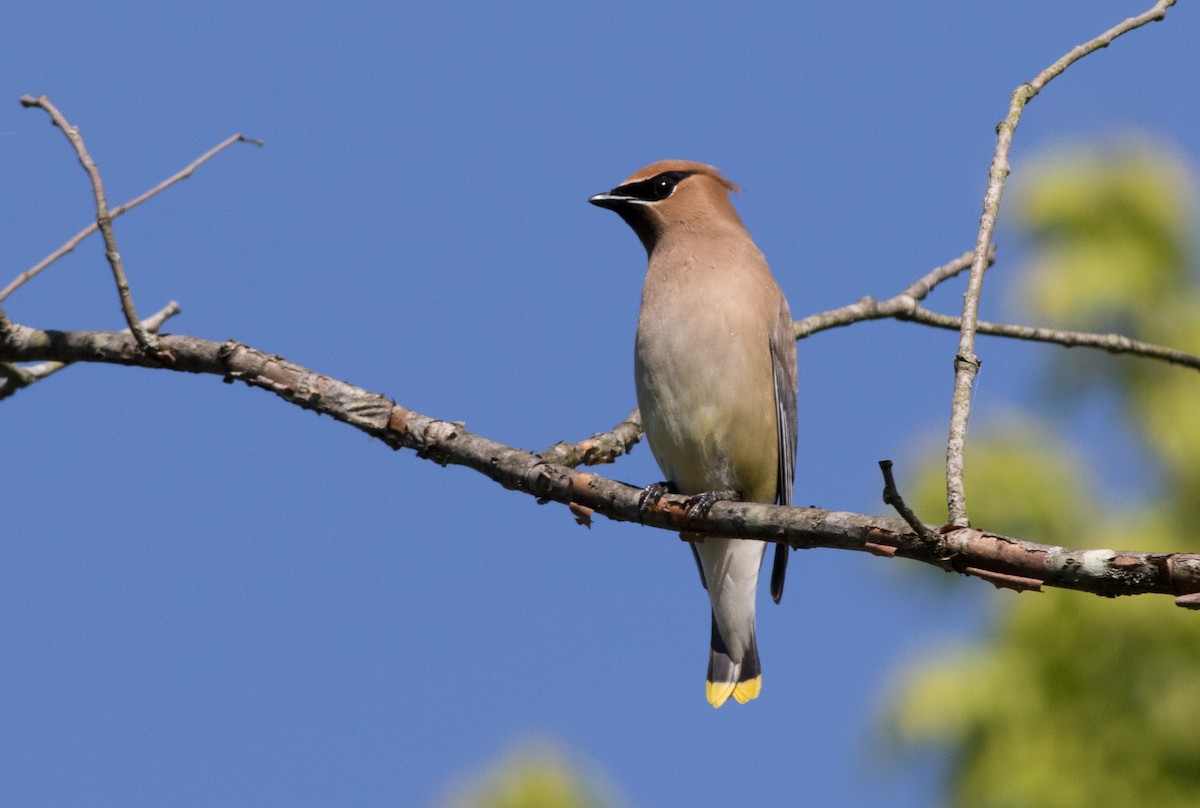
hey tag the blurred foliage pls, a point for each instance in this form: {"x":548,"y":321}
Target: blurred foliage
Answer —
{"x":532,"y":777}
{"x":1114,"y":251}
{"x":1112,"y":230}
{"x":1077,"y":700}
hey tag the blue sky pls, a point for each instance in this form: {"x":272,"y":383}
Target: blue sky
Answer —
{"x":210,"y":598}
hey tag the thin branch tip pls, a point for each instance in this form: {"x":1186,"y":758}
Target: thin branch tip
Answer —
{"x":891,"y":497}
{"x":110,"y":214}
{"x":998,"y":172}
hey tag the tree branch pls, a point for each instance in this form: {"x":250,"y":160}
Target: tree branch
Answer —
{"x":17,"y":378}
{"x":603,"y":447}
{"x":74,"y":241}
{"x":1003,"y":561}
{"x":144,"y":337}
{"x":966,"y":363}
{"x":1112,"y":343}
{"x":906,"y":307}
{"x":868,"y":308}
{"x":891,"y":496}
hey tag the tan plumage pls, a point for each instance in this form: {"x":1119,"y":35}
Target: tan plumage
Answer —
{"x":715,"y":368}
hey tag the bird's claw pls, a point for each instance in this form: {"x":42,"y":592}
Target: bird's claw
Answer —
{"x":651,"y":494}
{"x":697,"y":507}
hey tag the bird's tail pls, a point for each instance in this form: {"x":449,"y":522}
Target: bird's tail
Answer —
{"x":742,"y":680}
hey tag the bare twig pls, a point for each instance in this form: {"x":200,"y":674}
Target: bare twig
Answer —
{"x":74,"y":241}
{"x":1112,"y":343}
{"x":16,"y":377}
{"x":998,"y":559}
{"x":966,"y":363}
{"x":870,"y":309}
{"x":906,"y":307}
{"x":144,"y":338}
{"x":603,"y":447}
{"x":891,"y":496}
{"x":12,"y":373}
{"x":20,"y":377}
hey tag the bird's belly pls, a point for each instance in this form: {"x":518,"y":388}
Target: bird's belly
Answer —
{"x":707,"y":432}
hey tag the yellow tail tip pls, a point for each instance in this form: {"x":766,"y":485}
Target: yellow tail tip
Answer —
{"x":749,"y":689}
{"x":719,"y":692}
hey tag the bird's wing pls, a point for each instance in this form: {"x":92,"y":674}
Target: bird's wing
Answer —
{"x":699,"y":564}
{"x":783,"y":368}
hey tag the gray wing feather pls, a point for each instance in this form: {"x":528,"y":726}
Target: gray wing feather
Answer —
{"x":783,"y":368}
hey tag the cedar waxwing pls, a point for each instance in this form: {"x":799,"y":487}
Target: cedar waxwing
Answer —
{"x":715,"y":368}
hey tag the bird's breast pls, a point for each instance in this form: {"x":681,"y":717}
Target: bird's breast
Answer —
{"x":705,"y":387}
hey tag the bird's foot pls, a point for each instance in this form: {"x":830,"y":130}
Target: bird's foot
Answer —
{"x":652,"y":493}
{"x":698,"y":506}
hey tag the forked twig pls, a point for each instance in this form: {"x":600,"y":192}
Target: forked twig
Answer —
{"x":966,"y":363}
{"x":74,"y":241}
{"x":17,"y":377}
{"x":906,"y":306}
{"x":145,"y":338}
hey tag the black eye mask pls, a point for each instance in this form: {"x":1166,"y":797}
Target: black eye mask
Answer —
{"x":652,"y":190}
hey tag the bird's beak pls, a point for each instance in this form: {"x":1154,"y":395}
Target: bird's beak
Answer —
{"x":608,"y":200}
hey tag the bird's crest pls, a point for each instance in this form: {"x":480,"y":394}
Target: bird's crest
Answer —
{"x":685,"y":166}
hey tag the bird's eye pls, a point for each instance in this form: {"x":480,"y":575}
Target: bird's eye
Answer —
{"x":663,"y":186}
{"x":652,"y":189}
